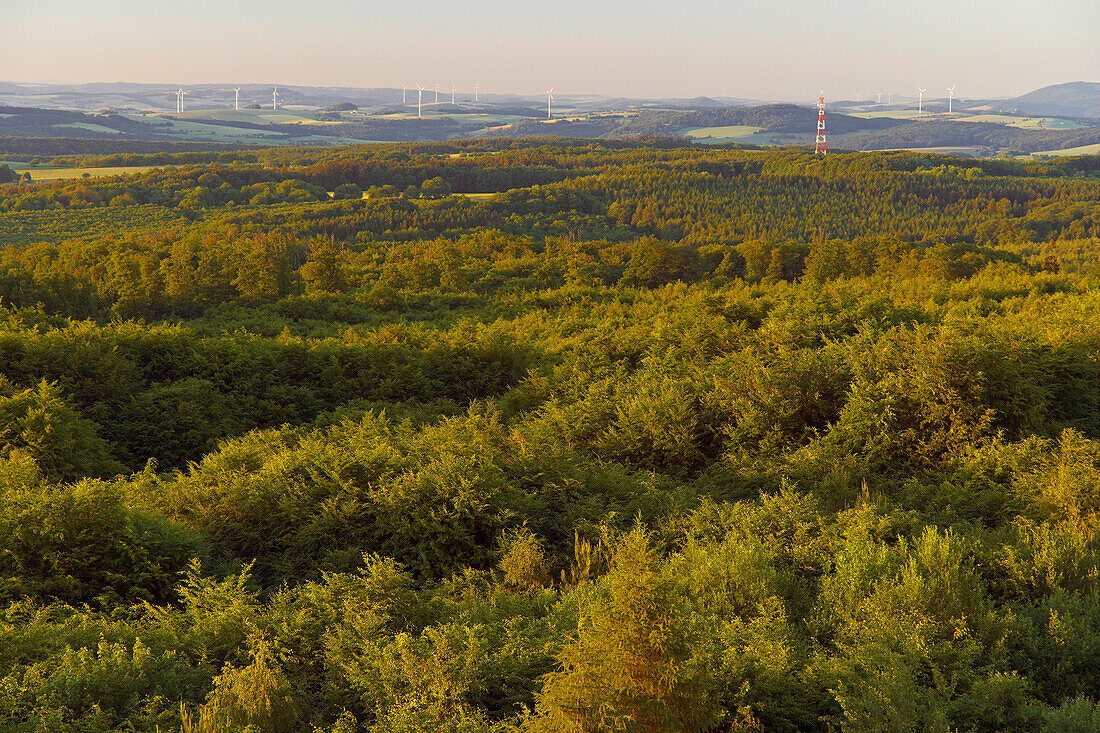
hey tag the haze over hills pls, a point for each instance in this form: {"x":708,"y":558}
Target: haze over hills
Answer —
{"x":1054,"y":120}
{"x":125,"y":96}
{"x":1074,"y":99}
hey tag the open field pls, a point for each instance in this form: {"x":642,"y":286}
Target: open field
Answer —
{"x":897,"y":114}
{"x":964,"y":150}
{"x":459,"y":117}
{"x":1082,"y":150}
{"x":101,"y":129}
{"x":62,"y":174}
{"x":51,"y":173}
{"x":1026,"y":123}
{"x":193,"y":128}
{"x":733,"y":134}
{"x":214,"y":133}
{"x":933,"y":113}
{"x":253,"y":116}
{"x":726,"y":132}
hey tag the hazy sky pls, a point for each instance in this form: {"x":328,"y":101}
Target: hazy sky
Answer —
{"x":773,"y":49}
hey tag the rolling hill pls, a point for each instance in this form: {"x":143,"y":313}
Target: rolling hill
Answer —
{"x":1074,"y":99}
{"x":944,"y":133}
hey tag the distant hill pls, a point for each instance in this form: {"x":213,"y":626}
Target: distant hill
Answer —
{"x":33,"y":122}
{"x":944,"y":133}
{"x":1074,"y":99}
{"x":108,"y":133}
{"x":785,"y":118}
{"x":25,"y":148}
{"x":699,"y":103}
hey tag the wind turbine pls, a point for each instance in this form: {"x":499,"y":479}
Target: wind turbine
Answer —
{"x":920,"y":101}
{"x":402,"y":94}
{"x":437,"y":93}
{"x":452,"y":93}
{"x":237,"y":99}
{"x":477,"y":88}
{"x":275,"y":98}
{"x":419,"y":99}
{"x":950,"y":97}
{"x":179,"y":100}
{"x":549,"y":102}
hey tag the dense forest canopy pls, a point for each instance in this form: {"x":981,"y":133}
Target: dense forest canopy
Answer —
{"x":551,"y":435}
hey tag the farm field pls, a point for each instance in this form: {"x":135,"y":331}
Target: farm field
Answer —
{"x":901,"y":114}
{"x":195,"y":129}
{"x":91,"y":127}
{"x":968,"y":150}
{"x":215,"y":133}
{"x":46,"y":173}
{"x":1082,"y":150}
{"x":460,"y":117}
{"x":726,"y":132}
{"x":256,"y":116}
{"x":1026,"y":123}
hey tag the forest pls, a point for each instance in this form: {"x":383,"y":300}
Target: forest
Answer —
{"x":28,"y":132}
{"x":995,"y":136}
{"x":768,"y":117}
{"x":551,"y":435}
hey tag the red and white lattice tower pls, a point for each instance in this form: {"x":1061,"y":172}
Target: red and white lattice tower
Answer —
{"x":819,"y":143}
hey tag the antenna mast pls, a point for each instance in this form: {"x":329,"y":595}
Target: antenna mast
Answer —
{"x":819,"y":142}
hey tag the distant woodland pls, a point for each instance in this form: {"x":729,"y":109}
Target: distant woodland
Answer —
{"x":550,"y":435}
{"x":42,"y":132}
{"x":944,"y":134}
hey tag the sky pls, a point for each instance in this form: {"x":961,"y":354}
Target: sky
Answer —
{"x":755,"y":49}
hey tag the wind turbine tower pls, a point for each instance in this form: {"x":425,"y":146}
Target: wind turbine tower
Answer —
{"x":477,"y":88}
{"x":452,"y":93}
{"x":237,"y":99}
{"x":437,"y":93}
{"x":920,"y":101}
{"x":419,"y":99}
{"x":179,"y":100}
{"x":275,"y":98}
{"x":950,"y":97}
{"x":550,"y":103}
{"x":402,"y":94}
